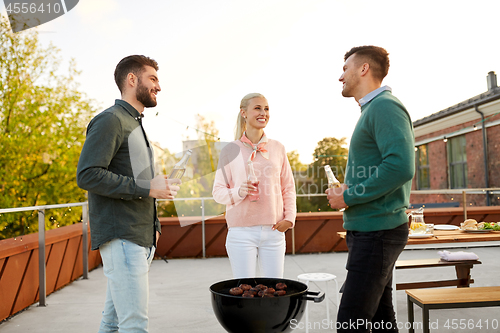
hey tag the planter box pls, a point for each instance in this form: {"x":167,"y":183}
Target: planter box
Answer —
{"x":314,"y":232}
{"x":19,"y":266}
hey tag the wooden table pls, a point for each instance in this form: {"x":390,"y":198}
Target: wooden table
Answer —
{"x":450,"y":236}
{"x":462,"y":268}
{"x":456,"y":236}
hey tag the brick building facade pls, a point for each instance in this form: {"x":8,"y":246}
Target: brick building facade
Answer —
{"x":450,"y":150}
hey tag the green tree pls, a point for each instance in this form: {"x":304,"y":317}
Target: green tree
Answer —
{"x":302,"y":180}
{"x":208,"y":137}
{"x":295,"y":163}
{"x":208,"y":156}
{"x":203,"y":163}
{"x":329,"y":151}
{"x":42,"y":130}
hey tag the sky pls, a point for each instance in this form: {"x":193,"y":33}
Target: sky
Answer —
{"x":213,"y":52}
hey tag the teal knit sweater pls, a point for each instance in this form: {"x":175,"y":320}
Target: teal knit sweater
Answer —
{"x":380,"y":166}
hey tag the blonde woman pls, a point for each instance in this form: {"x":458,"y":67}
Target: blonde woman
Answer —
{"x":256,"y":228}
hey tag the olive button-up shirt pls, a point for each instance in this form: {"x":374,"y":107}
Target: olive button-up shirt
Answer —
{"x":115,"y":167}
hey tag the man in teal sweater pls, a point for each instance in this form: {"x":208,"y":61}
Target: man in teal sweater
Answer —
{"x":376,"y":193}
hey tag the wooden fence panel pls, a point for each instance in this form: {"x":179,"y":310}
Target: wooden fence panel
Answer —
{"x":19,"y":266}
{"x":10,"y":282}
{"x":68,"y":262}
{"x":55,"y":255}
{"x":28,"y":291}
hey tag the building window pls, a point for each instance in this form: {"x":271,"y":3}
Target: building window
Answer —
{"x":422,"y":159}
{"x":457,"y":159}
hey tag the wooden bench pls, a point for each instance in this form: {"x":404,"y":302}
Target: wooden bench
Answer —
{"x":435,"y":205}
{"x":448,"y":298}
{"x":462,"y":269}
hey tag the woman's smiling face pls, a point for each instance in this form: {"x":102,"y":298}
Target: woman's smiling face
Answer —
{"x":257,"y":113}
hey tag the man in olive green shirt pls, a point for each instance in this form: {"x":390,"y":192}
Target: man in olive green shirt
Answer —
{"x":116,"y":167}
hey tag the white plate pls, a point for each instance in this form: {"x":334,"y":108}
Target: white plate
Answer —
{"x":445,"y":227}
{"x":420,"y":235}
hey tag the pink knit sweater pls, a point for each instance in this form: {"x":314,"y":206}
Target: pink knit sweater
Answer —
{"x":276,"y":186}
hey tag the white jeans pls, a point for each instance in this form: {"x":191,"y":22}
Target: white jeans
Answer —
{"x":245,"y":244}
{"x":126,"y":265}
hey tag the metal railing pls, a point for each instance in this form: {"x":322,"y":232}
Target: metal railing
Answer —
{"x":463,"y":192}
{"x":41,"y":241}
{"x":204,"y":250}
{"x":85,"y":221}
{"x":203,"y":217}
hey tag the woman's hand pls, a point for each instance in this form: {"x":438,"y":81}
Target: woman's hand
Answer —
{"x":245,"y":188}
{"x":282,"y":226}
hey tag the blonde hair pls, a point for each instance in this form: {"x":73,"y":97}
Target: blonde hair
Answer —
{"x":241,"y":123}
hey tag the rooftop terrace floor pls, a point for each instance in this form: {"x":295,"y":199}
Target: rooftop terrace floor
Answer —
{"x":180,"y":296}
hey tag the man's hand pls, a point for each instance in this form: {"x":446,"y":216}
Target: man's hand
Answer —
{"x":282,"y":226}
{"x":335,"y":196}
{"x":164,"y":188}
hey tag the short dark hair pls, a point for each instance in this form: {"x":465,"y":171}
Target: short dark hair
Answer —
{"x":377,"y":57}
{"x":132,"y":64}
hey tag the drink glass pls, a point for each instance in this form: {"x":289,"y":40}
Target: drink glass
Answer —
{"x":254,"y":195}
{"x":252,"y":179}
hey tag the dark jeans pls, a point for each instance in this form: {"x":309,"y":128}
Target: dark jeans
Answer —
{"x":366,"y":304}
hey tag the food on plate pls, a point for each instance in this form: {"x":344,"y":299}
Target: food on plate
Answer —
{"x":472,"y":224}
{"x":469,"y":224}
{"x":495,"y":226}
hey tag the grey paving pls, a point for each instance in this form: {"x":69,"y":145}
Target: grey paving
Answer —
{"x":180,"y":299}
